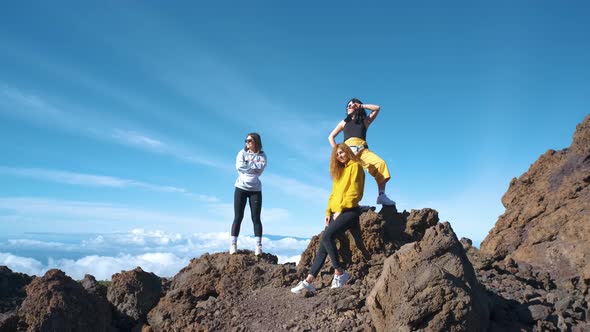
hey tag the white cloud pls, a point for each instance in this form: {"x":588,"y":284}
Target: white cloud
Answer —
{"x":286,"y":259}
{"x":103,"y":267}
{"x":142,"y":237}
{"x":162,"y":253}
{"x":34,"y":244}
{"x":22,"y":264}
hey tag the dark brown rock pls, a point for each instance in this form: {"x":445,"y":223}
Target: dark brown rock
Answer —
{"x":418,"y":221}
{"x":365,"y":246}
{"x":8,"y":321}
{"x":12,"y":288}
{"x":429,"y":285}
{"x":55,"y":302}
{"x":133,"y":294}
{"x":93,"y":287}
{"x":355,"y":245}
{"x":547,"y":218}
{"x":212,"y":277}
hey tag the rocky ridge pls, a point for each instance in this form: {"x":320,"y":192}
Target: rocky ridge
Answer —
{"x":409,"y":273}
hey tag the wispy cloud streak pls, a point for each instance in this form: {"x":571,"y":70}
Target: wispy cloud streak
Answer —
{"x":145,"y":142}
{"x":81,"y":210}
{"x":34,"y":108}
{"x":138,"y":140}
{"x":97,"y":181}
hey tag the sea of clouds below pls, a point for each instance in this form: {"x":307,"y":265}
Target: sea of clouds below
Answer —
{"x":103,"y":255}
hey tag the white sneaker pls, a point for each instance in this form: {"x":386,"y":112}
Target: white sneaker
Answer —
{"x":384,"y":200}
{"x":258,"y":250}
{"x":301,"y":286}
{"x":334,"y":282}
{"x":233,"y":249}
{"x":340,"y":280}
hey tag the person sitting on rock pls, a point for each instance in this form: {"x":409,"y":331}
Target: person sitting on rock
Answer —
{"x":343,"y":212}
{"x":355,"y":127}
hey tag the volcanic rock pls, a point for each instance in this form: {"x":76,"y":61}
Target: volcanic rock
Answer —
{"x":55,"y":302}
{"x":93,"y":287}
{"x":12,"y":288}
{"x":429,"y":285}
{"x":363,"y":248}
{"x":8,"y":321}
{"x":133,"y":294}
{"x":204,"y":290}
{"x":547,"y":218}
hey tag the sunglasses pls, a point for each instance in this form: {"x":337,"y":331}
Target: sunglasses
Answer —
{"x":248,"y":140}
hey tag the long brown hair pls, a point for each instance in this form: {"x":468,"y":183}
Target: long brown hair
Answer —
{"x":257,"y":141}
{"x":336,"y":167}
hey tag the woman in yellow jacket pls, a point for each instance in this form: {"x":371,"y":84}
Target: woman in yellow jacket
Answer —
{"x":342,"y":213}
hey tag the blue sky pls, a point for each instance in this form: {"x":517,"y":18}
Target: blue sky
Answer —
{"x":126,"y":117}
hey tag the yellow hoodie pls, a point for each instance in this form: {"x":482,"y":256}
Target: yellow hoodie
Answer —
{"x":347,"y":191}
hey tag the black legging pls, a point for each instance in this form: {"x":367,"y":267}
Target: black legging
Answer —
{"x":345,"y":220}
{"x":255,"y":200}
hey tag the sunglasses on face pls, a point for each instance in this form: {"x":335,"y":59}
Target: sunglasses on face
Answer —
{"x":248,"y":140}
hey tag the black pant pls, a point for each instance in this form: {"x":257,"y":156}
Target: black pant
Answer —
{"x":255,"y":200}
{"x":327,"y":247}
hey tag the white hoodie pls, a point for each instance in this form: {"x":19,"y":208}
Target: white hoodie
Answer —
{"x":250,"y":166}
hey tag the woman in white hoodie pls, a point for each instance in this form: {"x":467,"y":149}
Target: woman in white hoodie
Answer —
{"x":250,"y":164}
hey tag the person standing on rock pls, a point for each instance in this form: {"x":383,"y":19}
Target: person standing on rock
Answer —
{"x":342,"y":213}
{"x":250,"y":163}
{"x":355,"y":127}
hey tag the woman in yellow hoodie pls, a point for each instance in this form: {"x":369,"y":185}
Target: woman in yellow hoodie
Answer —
{"x":342,"y":213}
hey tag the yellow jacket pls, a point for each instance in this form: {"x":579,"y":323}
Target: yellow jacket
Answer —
{"x":347,"y":191}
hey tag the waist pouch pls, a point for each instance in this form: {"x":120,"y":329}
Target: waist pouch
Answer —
{"x":358,"y":148}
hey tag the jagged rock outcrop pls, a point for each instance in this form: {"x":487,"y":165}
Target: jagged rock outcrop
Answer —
{"x":355,"y":248}
{"x":133,"y":294}
{"x":55,"y":302}
{"x":12,"y":288}
{"x":8,"y":321}
{"x":429,"y":285}
{"x":242,"y":292}
{"x":93,"y":287}
{"x":417,"y":222}
{"x":12,"y":294}
{"x":207,"y":282}
{"x":547,"y":218}
{"x":363,"y":248}
{"x":525,"y":298}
